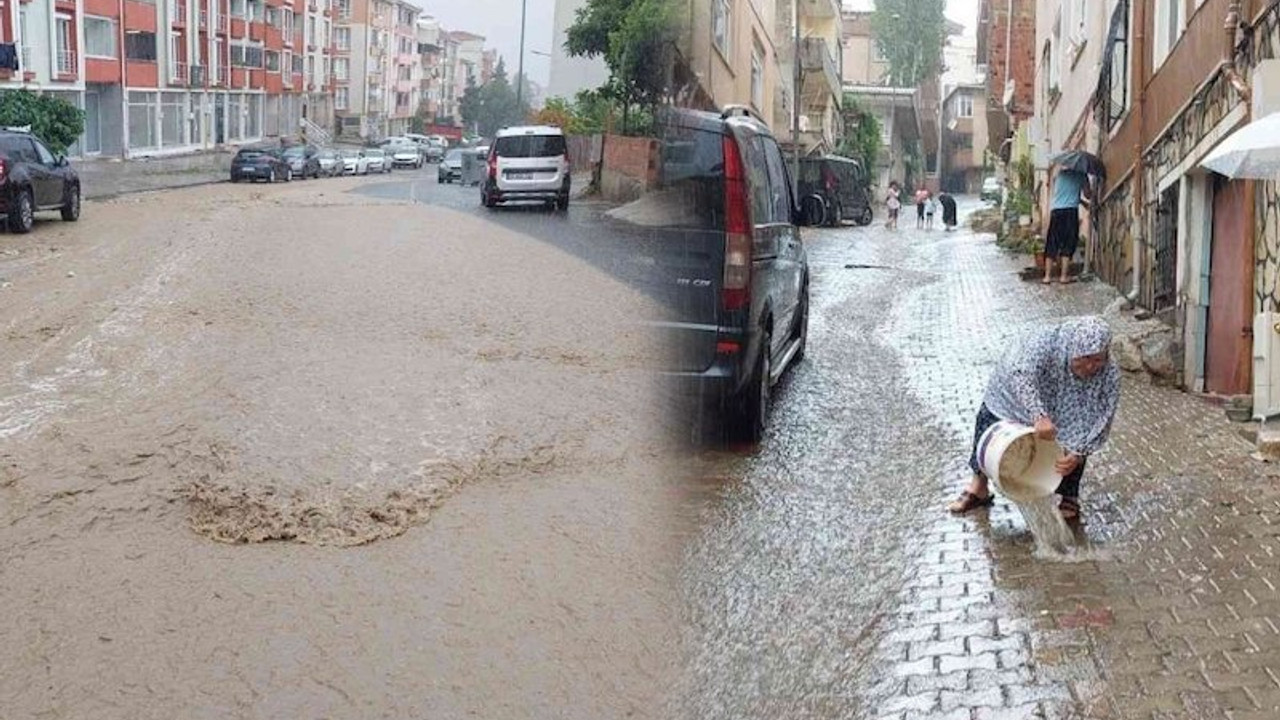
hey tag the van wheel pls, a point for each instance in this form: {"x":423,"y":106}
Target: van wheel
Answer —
{"x":865,"y":218}
{"x":837,"y":215}
{"x":755,"y":402}
{"x":562,"y":202}
{"x":71,"y":208}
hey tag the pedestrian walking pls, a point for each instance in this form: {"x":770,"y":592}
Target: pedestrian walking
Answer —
{"x":1062,"y":382}
{"x":893,"y":202}
{"x":1064,"y":224}
{"x":930,"y":207}
{"x":948,"y":210}
{"x":922,"y":196}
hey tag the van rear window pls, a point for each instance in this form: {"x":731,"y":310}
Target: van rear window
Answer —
{"x":691,"y":172}
{"x":530,"y":146}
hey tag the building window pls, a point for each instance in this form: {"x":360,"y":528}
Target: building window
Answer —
{"x":757,"y":75}
{"x":297,"y":64}
{"x":964,"y":106}
{"x":140,"y":45}
{"x":173,"y":119}
{"x":340,"y":98}
{"x":273,"y":61}
{"x":1169,"y":21}
{"x":273,"y":17}
{"x":239,"y":8}
{"x":344,"y":9}
{"x":66,"y":57}
{"x":342,"y":38}
{"x":403,"y":72}
{"x":311,"y":31}
{"x":142,"y":120}
{"x":1116,"y":72}
{"x":287,"y":19}
{"x":340,"y":66}
{"x":324,"y":33}
{"x":720,"y":25}
{"x":99,"y":37}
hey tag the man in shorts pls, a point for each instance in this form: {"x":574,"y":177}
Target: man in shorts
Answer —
{"x":1064,"y":224}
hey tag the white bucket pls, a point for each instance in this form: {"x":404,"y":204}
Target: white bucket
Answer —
{"x":1021,"y":466}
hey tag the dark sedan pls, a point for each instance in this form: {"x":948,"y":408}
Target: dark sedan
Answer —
{"x":267,"y":164}
{"x":34,"y":179}
{"x":303,"y":161}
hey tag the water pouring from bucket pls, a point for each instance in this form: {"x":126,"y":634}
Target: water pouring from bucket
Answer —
{"x":1023,"y":468}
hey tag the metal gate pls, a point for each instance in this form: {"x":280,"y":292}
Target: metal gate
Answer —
{"x":1160,"y":291}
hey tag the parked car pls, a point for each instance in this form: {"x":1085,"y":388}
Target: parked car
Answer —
{"x":303,"y":162}
{"x":450,"y":169}
{"x":991,"y":189}
{"x":378,"y":160}
{"x":354,"y":162}
{"x":331,"y":163}
{"x":33,"y":179}
{"x":406,"y":154}
{"x":527,"y":163}
{"x":737,"y":274}
{"x":260,"y":163}
{"x":841,"y":185}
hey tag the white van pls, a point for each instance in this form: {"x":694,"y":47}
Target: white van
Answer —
{"x":527,"y":163}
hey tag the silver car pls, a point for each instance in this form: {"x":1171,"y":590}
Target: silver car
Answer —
{"x":450,"y":169}
{"x":405,"y":155}
{"x":379,"y":162}
{"x":331,"y":164}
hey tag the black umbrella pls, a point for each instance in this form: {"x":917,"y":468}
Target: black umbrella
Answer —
{"x":1081,"y":162}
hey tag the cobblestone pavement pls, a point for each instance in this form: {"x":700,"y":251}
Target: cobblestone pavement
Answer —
{"x":828,"y":581}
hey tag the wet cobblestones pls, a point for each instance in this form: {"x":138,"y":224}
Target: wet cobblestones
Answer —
{"x":1173,"y":612}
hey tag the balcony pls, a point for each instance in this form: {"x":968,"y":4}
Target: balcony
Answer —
{"x":66,"y":62}
{"x":223,"y":22}
{"x":178,"y":73}
{"x":177,"y":12}
{"x":820,"y":9}
{"x":286,"y":79}
{"x":821,"y":77}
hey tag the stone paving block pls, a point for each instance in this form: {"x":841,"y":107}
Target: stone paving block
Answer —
{"x":913,"y":634}
{"x":981,"y":643}
{"x":968,"y":629}
{"x":931,"y":648}
{"x":917,"y":684}
{"x":985,"y":661}
{"x":925,"y":666}
{"x":987,"y":697}
{"x":927,"y":701}
{"x":1026,"y":694}
{"x":1020,"y":712}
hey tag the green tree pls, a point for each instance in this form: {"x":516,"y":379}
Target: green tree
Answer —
{"x":498,"y":105}
{"x":54,"y":120}
{"x":470,"y":106}
{"x":862,"y":139}
{"x":635,"y":38}
{"x":910,"y":33}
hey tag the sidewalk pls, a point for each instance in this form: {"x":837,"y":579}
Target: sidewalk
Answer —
{"x":1174,"y":613}
{"x":109,"y":177}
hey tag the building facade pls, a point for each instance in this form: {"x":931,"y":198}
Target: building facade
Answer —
{"x":377,"y":67}
{"x":1006,"y":45}
{"x":173,"y":76}
{"x":964,"y":138}
{"x":571,"y":75}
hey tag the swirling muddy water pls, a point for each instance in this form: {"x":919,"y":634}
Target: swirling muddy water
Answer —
{"x":284,"y":451}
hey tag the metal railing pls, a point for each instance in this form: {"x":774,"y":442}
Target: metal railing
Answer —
{"x":223,"y":22}
{"x":26,"y":59}
{"x":178,"y":72}
{"x":315,"y":133}
{"x":66,"y":62}
{"x":286,"y":78}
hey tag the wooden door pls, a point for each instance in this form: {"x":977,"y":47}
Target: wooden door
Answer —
{"x":1229,"y":350}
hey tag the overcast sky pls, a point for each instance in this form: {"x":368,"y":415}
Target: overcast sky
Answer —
{"x":499,"y":22}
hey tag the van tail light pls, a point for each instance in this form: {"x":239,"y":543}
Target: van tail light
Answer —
{"x":4,"y":170}
{"x":493,"y":166}
{"x":830,"y":179}
{"x":736,"y":291}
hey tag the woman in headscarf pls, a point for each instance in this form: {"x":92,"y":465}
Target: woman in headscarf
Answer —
{"x":1062,"y":382}
{"x":948,"y":210}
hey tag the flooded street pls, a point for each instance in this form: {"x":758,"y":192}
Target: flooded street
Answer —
{"x":827,"y":580}
{"x":292,"y":450}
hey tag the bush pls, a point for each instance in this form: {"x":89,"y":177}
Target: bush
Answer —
{"x":54,"y":120}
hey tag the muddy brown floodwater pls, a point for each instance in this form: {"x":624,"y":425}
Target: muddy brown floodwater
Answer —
{"x":281,"y":451}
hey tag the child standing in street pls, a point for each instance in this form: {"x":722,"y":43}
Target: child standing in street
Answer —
{"x":930,"y":207}
{"x":922,"y":197}
{"x":894,"y":204}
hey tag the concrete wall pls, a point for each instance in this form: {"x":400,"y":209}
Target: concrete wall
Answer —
{"x":569,"y":75}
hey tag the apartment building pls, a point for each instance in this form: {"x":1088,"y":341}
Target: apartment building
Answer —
{"x":571,"y":75}
{"x":172,"y":76}
{"x":1007,"y":46}
{"x":377,"y":68}
{"x":820,"y":79}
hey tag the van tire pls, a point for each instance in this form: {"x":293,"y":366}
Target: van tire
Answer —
{"x":754,"y":408}
{"x":865,"y":218}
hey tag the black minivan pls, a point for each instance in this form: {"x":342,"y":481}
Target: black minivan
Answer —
{"x":737,"y":274}
{"x":842,"y":187}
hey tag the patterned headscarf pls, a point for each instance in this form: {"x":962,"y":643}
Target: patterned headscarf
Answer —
{"x":1035,"y":379}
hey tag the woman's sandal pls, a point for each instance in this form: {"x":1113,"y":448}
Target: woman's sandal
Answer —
{"x":1069,"y":507}
{"x":968,"y":501}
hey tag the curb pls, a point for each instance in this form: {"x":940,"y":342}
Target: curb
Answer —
{"x":139,"y":191}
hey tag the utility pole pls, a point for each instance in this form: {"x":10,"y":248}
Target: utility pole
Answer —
{"x":524,"y":4}
{"x":795,"y":102}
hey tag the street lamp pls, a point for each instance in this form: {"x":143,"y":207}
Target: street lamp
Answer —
{"x":524,"y":4}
